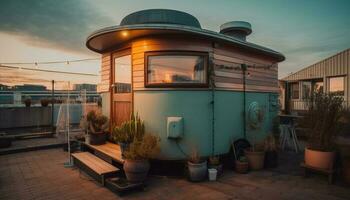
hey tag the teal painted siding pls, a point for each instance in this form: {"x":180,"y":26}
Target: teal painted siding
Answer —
{"x":196,"y":109}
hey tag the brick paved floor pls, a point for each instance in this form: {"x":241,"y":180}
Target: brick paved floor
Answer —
{"x":41,"y":175}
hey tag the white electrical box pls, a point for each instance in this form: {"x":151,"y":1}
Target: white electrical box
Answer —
{"x":175,"y":127}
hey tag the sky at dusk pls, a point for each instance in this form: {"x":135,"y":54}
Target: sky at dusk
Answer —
{"x":46,"y":30}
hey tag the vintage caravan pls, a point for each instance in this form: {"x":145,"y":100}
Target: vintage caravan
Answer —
{"x":192,"y":87}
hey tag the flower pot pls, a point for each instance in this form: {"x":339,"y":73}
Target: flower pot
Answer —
{"x":123,"y":148}
{"x":212,"y":173}
{"x":136,"y":170}
{"x":197,"y":171}
{"x":319,"y":159}
{"x":241,"y":167}
{"x":44,"y":103}
{"x":218,"y":167}
{"x":255,"y":159}
{"x":271,"y":159}
{"x":97,"y":138}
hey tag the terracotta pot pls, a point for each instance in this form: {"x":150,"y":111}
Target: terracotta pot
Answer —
{"x":136,"y":170}
{"x":255,"y":159}
{"x":97,"y":138}
{"x":241,"y":167}
{"x":319,"y":159}
{"x":197,"y":171}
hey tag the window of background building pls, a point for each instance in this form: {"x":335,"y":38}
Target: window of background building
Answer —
{"x":318,"y":86}
{"x":306,"y":89}
{"x":336,"y":85}
{"x":294,"y":90}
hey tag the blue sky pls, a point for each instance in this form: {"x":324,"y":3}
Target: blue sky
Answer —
{"x":41,"y":30}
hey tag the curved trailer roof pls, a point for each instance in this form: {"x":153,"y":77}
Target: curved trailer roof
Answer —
{"x":160,"y":22}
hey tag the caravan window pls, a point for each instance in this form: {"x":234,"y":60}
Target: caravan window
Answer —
{"x":176,"y":69}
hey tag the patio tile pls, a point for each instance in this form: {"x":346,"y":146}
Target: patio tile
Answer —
{"x":41,"y":175}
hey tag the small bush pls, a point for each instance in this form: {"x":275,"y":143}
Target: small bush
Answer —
{"x":322,"y":122}
{"x":145,"y":148}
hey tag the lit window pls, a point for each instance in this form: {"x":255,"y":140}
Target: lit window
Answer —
{"x":176,"y":69}
{"x":318,"y":86}
{"x":294,"y":90}
{"x":122,"y":74}
{"x":336,"y":85}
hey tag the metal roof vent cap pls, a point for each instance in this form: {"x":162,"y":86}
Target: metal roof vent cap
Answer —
{"x":236,"y":29}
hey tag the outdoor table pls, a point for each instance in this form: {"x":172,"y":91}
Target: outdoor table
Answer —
{"x":287,"y":127}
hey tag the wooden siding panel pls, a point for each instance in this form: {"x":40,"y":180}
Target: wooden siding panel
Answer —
{"x":105,"y":73}
{"x":262,"y":80}
{"x":258,"y":79}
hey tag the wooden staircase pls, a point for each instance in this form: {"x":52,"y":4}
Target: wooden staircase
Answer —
{"x":104,"y":163}
{"x":94,"y":166}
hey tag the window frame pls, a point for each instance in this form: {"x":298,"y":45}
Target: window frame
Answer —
{"x":291,"y":90}
{"x":122,"y":54}
{"x":329,"y":84}
{"x":176,"y":53}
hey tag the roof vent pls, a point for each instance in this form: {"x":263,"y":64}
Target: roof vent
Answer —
{"x":236,"y":29}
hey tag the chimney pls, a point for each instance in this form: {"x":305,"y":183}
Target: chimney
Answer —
{"x":236,"y":29}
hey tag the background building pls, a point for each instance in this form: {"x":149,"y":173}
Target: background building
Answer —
{"x":329,"y":75}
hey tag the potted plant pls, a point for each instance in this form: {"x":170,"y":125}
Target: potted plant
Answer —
{"x":214,"y":163}
{"x":255,"y":154}
{"x":127,"y":131}
{"x":241,"y":165}
{"x":27,"y":101}
{"x":96,"y":127}
{"x":271,"y":154}
{"x":322,"y":123}
{"x":136,"y":165}
{"x":44,"y":102}
{"x":197,"y":167}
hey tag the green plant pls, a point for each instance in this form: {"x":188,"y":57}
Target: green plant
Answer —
{"x":243,"y":159}
{"x":270,"y":143}
{"x":129,"y":130}
{"x":322,"y":122}
{"x":143,"y":148}
{"x":94,"y":123}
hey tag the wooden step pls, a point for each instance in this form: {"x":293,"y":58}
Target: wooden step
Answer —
{"x":94,"y":166}
{"x":109,"y":152}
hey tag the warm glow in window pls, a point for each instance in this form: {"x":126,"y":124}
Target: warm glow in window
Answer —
{"x":318,"y":86}
{"x":122,"y":74}
{"x":177,"y":69}
{"x":336,"y":85}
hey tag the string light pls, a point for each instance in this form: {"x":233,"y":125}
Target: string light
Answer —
{"x":46,"y":70}
{"x":50,"y":62}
